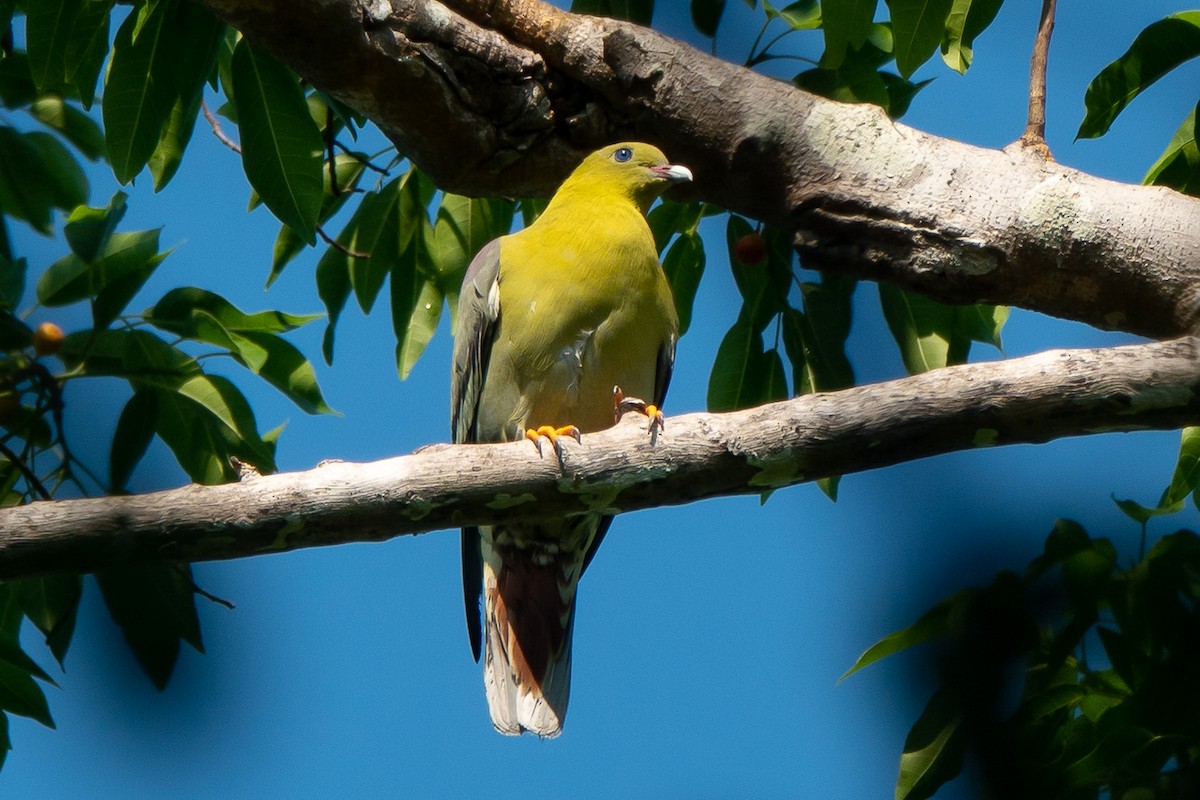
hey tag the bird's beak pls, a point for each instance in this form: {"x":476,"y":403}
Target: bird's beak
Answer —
{"x":673,"y":173}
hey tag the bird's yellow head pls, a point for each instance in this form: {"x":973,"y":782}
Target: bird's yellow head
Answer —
{"x":635,"y":170}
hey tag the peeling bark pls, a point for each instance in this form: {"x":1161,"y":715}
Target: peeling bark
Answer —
{"x":1032,"y":399}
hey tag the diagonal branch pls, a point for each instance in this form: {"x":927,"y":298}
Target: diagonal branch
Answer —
{"x":1032,"y":399}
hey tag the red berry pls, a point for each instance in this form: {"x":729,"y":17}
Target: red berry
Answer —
{"x":751,"y":249}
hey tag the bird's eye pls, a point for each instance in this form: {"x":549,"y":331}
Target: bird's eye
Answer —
{"x":623,"y":154}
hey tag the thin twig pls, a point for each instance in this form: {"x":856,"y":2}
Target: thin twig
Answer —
{"x":334,"y":189}
{"x":186,"y":575}
{"x":1035,"y":127}
{"x":366,"y":162}
{"x":334,"y":243}
{"x":30,"y":477}
{"x":215,"y":124}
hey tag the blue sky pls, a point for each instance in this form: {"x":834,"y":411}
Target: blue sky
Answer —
{"x":709,"y":638}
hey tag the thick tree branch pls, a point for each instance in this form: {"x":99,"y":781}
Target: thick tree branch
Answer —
{"x":1032,"y":399}
{"x":502,"y":97}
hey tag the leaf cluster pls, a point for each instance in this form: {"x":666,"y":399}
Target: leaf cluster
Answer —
{"x":1105,"y":660}
{"x":159,"y":61}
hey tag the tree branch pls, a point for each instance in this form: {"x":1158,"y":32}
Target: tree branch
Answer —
{"x":501,"y":98}
{"x":1032,"y":399}
{"x":1035,"y":126}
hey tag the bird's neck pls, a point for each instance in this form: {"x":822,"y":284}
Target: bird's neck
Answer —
{"x":576,"y":198}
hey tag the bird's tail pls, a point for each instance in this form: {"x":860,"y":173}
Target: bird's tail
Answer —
{"x":529,"y":609}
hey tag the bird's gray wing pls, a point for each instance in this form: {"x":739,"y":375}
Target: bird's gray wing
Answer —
{"x":474,"y":333}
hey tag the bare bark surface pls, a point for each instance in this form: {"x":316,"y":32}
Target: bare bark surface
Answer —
{"x":502,"y":97}
{"x":1032,"y":399}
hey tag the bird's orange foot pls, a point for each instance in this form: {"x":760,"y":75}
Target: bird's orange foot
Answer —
{"x":623,"y":405}
{"x":551,"y":433}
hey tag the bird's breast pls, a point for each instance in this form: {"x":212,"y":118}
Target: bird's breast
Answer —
{"x":578,"y":319}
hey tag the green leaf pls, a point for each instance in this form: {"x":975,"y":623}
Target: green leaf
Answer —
{"x":283,"y":366}
{"x":176,"y":133}
{"x":138,"y":356}
{"x":16,"y":84}
{"x":71,"y":279}
{"x":196,"y":60}
{"x":917,"y":28}
{"x":71,"y":123}
{"x":338,"y":271}
{"x":333,"y":287}
{"x":47,"y":30}
{"x":639,"y":11}
{"x":532,"y":208}
{"x":64,"y":178}
{"x":1187,"y":468}
{"x":140,"y":89}
{"x":112,"y":300}
{"x":416,"y":297}
{"x":1105,"y":761}
{"x":802,"y":15}
{"x":135,"y":429}
{"x":829,"y":486}
{"x":775,"y":385}
{"x":934,"y":623}
{"x":462,"y":227}
{"x":226,"y":405}
{"x":921,"y":327}
{"x":931,"y":334}
{"x":1141,"y":514}
{"x":815,"y":339}
{"x":740,"y":371}
{"x":20,"y":694}
{"x":763,"y":286}
{"x":706,"y":15}
{"x":858,"y":78}
{"x":225,"y":72}
{"x":1066,"y":538}
{"x":12,"y":282}
{"x":26,"y":190}
{"x":1158,"y":49}
{"x":967,"y":19}
{"x":204,"y":421}
{"x":684,"y":266}
{"x":178,"y":309}
{"x":933,"y":750}
{"x":195,"y":438}
{"x":900,"y":93}
{"x":414,"y":325}
{"x":846,"y":24}
{"x":281,"y":146}
{"x":52,"y":603}
{"x":1179,"y":165}
{"x":669,"y":218}
{"x":379,"y":230}
{"x":349,"y":169}
{"x":154,"y":606}
{"x":88,"y":229}
{"x":87,"y":48}
{"x":982,"y":323}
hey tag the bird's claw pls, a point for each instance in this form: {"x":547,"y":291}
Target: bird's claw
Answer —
{"x":622,"y":405}
{"x":550,"y":432}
